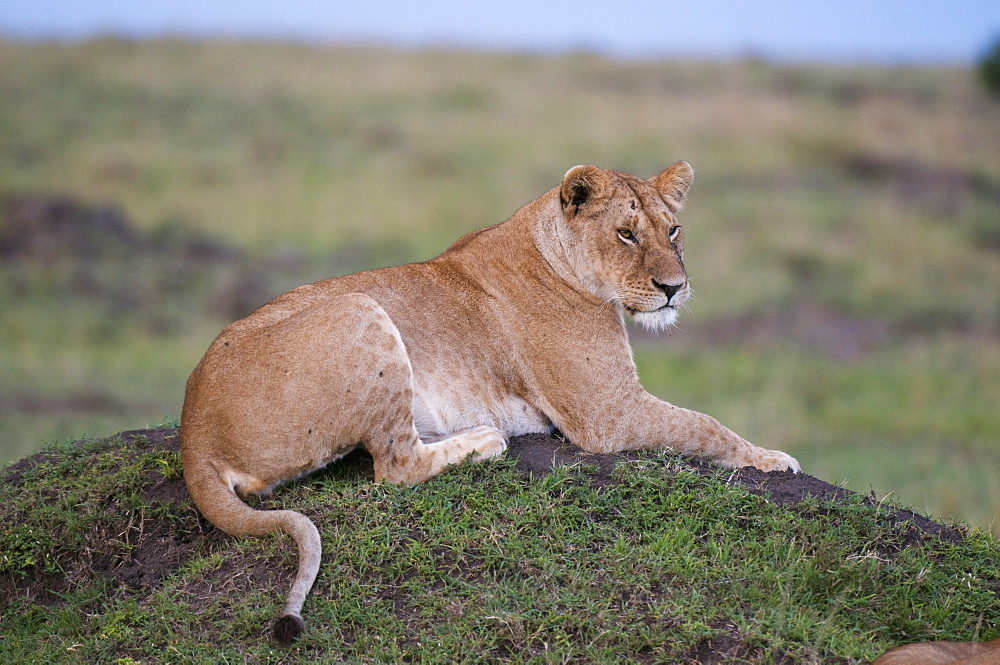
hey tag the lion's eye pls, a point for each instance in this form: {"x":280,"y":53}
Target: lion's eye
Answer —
{"x":626,"y":235}
{"x":674,"y":232}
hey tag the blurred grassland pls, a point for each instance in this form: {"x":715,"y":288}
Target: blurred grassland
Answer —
{"x":843,"y":234}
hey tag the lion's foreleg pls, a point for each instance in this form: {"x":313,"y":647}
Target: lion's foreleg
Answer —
{"x":658,"y":424}
{"x":693,"y":433}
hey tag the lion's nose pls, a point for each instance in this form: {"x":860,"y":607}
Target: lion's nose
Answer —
{"x":670,"y":290}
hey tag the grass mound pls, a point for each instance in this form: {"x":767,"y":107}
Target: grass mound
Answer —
{"x":549,"y":554}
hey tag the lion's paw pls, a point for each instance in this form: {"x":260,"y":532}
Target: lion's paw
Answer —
{"x":486,"y":441}
{"x":773,"y":460}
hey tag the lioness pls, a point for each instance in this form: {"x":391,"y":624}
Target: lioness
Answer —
{"x":516,"y":328}
{"x":943,"y":653}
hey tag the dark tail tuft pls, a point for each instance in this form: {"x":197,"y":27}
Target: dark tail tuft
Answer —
{"x":287,"y":628}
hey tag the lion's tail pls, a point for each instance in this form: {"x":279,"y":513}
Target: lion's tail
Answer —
{"x":213,"y":492}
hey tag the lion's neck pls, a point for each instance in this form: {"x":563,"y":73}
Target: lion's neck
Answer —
{"x":527,"y":247}
{"x":543,"y":219}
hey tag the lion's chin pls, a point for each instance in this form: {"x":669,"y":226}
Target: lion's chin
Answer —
{"x":656,"y":321}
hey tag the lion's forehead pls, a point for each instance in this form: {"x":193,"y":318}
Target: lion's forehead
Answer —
{"x":638,"y":201}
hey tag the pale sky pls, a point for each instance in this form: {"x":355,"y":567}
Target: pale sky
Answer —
{"x":882,"y":31}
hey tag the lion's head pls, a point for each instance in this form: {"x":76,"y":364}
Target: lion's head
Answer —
{"x":623,"y":241}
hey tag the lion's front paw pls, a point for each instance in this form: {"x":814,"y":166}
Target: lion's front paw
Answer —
{"x":773,"y":460}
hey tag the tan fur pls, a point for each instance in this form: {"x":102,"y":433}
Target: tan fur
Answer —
{"x":516,"y":328}
{"x":943,"y":653}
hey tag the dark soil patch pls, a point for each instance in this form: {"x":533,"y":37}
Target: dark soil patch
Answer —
{"x":163,"y":546}
{"x":730,"y":647}
{"x":135,"y":552}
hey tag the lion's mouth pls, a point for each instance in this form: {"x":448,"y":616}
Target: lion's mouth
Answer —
{"x":633,"y":310}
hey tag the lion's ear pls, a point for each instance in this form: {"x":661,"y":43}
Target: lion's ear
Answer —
{"x":582,"y":184}
{"x":673,"y":184}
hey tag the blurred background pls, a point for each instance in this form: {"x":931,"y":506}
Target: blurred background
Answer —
{"x":166,"y":169}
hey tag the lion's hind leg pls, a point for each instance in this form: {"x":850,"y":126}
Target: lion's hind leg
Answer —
{"x":385,"y":405}
{"x":412,"y":461}
{"x":281,"y":394}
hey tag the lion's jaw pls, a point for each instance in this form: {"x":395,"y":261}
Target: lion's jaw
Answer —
{"x":661,"y":318}
{"x":657,"y":320}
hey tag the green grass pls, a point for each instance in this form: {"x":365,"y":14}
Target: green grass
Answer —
{"x":480,"y":563}
{"x":868,"y":192}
